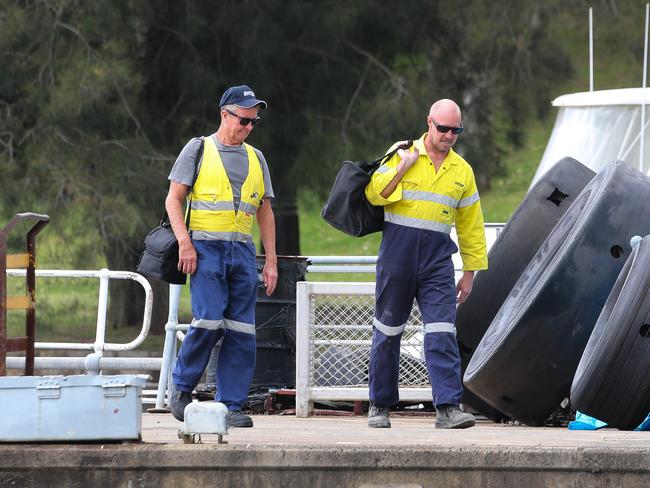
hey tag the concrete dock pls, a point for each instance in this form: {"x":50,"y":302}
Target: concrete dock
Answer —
{"x":339,"y":452}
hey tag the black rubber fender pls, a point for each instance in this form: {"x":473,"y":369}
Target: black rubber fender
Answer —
{"x":534,"y":218}
{"x":525,"y":362}
{"x":612,"y":382}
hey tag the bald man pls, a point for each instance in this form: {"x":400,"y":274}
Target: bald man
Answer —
{"x":425,"y":190}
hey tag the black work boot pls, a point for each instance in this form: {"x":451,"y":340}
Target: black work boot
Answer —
{"x":177,"y":403}
{"x":378,"y":416}
{"x":452,"y":417}
{"x":237,"y":419}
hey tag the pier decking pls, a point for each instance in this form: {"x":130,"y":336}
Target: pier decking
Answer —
{"x":339,"y":451}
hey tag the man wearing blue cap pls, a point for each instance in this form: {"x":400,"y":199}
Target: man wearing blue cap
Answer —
{"x":231,"y":185}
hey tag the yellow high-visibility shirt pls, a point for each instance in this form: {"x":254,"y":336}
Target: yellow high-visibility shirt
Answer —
{"x":426,"y":199}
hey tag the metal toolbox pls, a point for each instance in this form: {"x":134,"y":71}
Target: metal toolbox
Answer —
{"x":71,"y":408}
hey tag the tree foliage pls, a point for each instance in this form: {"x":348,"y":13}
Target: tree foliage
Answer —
{"x":97,"y":98}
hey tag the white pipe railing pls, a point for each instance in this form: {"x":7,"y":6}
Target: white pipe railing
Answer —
{"x":591,"y":49}
{"x":94,"y":362}
{"x":71,"y":363}
{"x":169,"y":349}
{"x":104,"y":276}
{"x":643,"y":84}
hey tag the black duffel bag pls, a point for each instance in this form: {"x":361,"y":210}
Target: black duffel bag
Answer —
{"x":159,"y":260}
{"x":347,"y":208}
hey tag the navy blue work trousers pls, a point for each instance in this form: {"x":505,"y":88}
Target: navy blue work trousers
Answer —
{"x":224,"y":291}
{"x":415,"y":263}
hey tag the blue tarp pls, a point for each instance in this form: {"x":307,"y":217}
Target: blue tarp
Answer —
{"x":585,"y":422}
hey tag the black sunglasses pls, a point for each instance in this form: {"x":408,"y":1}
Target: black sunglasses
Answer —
{"x":244,"y":120}
{"x":445,"y":128}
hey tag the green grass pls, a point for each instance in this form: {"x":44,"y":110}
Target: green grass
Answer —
{"x":317,"y":238}
{"x":507,"y":191}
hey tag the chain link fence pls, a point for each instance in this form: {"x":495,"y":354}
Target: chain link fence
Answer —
{"x":341,"y":338}
{"x":334,"y":335}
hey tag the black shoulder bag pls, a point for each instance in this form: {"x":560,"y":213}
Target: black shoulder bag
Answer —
{"x":347,"y":208}
{"x":159,"y":260}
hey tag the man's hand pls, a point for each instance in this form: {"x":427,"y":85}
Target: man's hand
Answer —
{"x":408,"y":158}
{"x":186,"y":257}
{"x":270,"y":277}
{"x":464,"y":286}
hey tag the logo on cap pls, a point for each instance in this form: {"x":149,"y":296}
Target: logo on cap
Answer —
{"x":242,"y":96}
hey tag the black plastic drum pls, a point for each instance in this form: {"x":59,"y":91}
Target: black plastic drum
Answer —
{"x":275,"y":325}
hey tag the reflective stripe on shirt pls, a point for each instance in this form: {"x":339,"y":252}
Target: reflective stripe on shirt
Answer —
{"x":206,"y":235}
{"x":429,"y":197}
{"x":205,"y":205}
{"x":470,"y":200}
{"x":416,"y":223}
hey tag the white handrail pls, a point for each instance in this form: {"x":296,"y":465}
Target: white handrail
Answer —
{"x":104,"y":275}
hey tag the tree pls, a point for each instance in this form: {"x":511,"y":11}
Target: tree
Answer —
{"x":70,"y":90}
{"x":97,"y":98}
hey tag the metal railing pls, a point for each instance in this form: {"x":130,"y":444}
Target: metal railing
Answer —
{"x":95,"y":362}
{"x":26,"y":302}
{"x":333,"y":338}
{"x":172,"y":329}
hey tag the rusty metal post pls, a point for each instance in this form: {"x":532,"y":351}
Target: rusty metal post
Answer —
{"x":27,"y":302}
{"x":30,"y":324}
{"x":3,"y":303}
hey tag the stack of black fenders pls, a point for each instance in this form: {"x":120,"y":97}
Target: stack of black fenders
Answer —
{"x":562,"y":316}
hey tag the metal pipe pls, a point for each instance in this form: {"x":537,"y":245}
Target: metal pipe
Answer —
{"x":341,"y":269}
{"x":138,"y":363}
{"x":146,"y":318}
{"x":591,"y":49}
{"x":168,"y":348}
{"x":303,"y":353}
{"x":101,"y":309}
{"x":645,"y":72}
{"x":82,"y":346}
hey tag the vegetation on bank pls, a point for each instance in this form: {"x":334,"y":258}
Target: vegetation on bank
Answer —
{"x":91,"y":116}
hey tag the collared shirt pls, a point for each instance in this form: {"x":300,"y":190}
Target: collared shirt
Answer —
{"x":435,"y":200}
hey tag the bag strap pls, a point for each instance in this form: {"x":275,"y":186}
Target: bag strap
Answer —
{"x":387,"y":156}
{"x":199,"y":155}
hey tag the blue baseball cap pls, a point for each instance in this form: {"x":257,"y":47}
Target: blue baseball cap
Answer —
{"x":242,"y":96}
